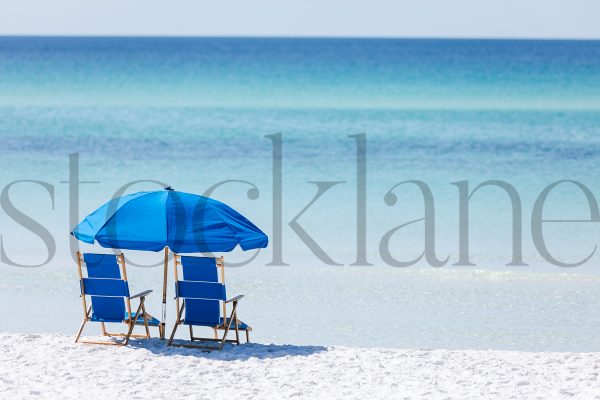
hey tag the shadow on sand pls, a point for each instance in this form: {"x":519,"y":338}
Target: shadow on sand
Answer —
{"x":230,"y":352}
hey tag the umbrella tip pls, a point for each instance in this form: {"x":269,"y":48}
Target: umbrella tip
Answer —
{"x":169,"y":188}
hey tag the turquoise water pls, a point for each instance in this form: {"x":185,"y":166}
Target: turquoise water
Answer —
{"x":193,"y":112}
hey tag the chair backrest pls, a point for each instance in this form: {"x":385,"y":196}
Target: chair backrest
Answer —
{"x":199,"y":268}
{"x":107,"y":288}
{"x":200,"y":288}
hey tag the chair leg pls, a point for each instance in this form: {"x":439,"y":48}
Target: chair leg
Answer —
{"x":176,"y":324}
{"x":80,"y":330}
{"x":85,"y":319}
{"x":247,"y":336}
{"x":173,"y":334}
{"x":145,"y":321}
{"x":228,"y":326}
{"x":132,"y":323}
{"x":191,"y":333}
{"x":216,"y":333}
{"x":103,"y":325}
{"x":237,"y":330}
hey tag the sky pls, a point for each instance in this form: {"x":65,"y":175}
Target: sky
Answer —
{"x":567,"y":19}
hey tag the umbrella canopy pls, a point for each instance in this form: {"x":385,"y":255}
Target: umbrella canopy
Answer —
{"x":183,"y":222}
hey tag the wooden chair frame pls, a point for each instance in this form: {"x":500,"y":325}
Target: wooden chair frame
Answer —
{"x":226,"y":326}
{"x":221,"y":268}
{"x":130,"y":322}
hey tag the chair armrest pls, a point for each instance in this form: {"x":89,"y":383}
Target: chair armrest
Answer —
{"x":142,"y":294}
{"x":234,"y":299}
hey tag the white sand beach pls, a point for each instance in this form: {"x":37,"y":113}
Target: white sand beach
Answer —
{"x":51,"y":366}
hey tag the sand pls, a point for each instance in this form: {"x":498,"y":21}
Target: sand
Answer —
{"x":51,"y":366}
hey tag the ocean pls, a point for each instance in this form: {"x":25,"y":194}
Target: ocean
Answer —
{"x":367,"y":129}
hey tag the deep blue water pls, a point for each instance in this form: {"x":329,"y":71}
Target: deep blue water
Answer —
{"x":332,"y":73}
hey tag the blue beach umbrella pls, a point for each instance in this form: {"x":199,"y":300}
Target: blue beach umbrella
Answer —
{"x":167,"y":219}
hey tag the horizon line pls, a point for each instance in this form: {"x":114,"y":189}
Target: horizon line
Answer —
{"x":295,"y":37}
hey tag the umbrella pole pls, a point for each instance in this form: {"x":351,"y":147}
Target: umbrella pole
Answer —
{"x":164,"y":294}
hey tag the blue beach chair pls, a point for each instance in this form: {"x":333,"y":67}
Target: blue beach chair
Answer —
{"x":110,"y":299}
{"x":204,"y":301}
